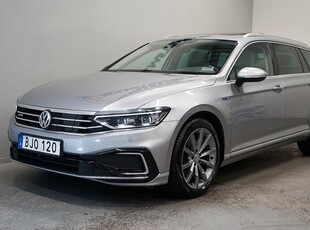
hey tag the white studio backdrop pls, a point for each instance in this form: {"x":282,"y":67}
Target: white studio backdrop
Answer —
{"x":284,"y":18}
{"x":45,"y":40}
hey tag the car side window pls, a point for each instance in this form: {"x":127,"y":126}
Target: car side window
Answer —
{"x":288,"y":59}
{"x":306,"y":55}
{"x":256,"y":55}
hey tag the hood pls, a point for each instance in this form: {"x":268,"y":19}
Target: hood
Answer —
{"x":96,"y":92}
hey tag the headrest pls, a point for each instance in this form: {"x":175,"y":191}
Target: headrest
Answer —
{"x":284,"y":59}
{"x":197,"y":58}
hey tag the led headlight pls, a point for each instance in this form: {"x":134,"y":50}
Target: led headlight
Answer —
{"x":133,"y":118}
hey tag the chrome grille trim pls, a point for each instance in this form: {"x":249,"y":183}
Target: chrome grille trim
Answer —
{"x":29,"y":114}
{"x":61,"y":122}
{"x":56,"y":110}
{"x":77,"y":127}
{"x":67,"y":119}
{"x":23,"y":119}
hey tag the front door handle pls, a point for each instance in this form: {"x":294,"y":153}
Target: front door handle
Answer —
{"x":278,"y":88}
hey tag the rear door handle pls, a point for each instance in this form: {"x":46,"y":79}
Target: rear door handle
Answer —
{"x":278,"y":88}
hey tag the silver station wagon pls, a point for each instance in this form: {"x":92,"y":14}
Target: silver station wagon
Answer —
{"x":169,"y":113}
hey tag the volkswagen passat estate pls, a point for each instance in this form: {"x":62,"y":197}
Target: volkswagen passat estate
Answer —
{"x":170,"y":112}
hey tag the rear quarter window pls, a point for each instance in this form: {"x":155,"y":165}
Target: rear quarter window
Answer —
{"x":288,"y":59}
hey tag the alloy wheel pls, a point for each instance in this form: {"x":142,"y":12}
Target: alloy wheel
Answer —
{"x":199,"y":158}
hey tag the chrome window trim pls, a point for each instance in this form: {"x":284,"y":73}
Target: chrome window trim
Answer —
{"x":261,"y":41}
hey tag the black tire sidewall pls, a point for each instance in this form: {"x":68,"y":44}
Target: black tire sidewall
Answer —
{"x":176,"y":180}
{"x":304,"y":146}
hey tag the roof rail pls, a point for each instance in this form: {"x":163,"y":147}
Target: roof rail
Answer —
{"x":276,"y":37}
{"x":202,"y":35}
{"x":171,"y":36}
{"x":248,"y":35}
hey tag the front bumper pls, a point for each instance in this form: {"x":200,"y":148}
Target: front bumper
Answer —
{"x":130,"y":157}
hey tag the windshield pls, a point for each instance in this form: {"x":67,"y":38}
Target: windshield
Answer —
{"x":192,"y":56}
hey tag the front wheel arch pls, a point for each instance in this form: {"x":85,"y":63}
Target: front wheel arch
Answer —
{"x":202,"y":153}
{"x":217,"y":125}
{"x":208,"y":113}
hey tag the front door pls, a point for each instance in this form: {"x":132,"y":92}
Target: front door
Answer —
{"x":257,"y":108}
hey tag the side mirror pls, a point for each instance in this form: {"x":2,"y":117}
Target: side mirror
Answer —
{"x":250,"y":74}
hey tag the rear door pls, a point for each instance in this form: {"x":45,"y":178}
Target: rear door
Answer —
{"x":296,"y":78}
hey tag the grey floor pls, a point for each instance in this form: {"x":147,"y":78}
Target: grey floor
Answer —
{"x":267,"y":191}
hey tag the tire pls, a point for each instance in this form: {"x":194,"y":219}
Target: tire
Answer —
{"x":304,"y":146}
{"x":195,"y":159}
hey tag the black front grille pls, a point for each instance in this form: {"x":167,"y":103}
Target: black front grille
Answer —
{"x":49,"y":162}
{"x":112,"y":165}
{"x":61,"y":122}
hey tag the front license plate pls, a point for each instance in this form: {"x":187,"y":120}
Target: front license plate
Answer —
{"x":41,"y":145}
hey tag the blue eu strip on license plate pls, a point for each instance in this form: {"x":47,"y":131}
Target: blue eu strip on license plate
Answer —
{"x":20,"y":141}
{"x":39,"y":144}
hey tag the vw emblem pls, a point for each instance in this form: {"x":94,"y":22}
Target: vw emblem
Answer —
{"x":45,"y":119}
